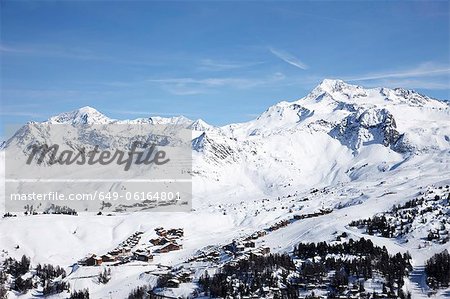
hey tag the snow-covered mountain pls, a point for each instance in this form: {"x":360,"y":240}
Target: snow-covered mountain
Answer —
{"x":83,"y":116}
{"x":340,"y":155}
{"x":312,"y":141}
{"x":317,"y":138}
{"x":89,"y":116}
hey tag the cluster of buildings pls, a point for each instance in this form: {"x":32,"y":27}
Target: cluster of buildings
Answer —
{"x":167,"y":239}
{"x":172,"y":279}
{"x":278,"y":225}
{"x":206,"y":256}
{"x":121,"y":254}
{"x":256,"y":235}
{"x":315,"y":214}
{"x":244,"y":248}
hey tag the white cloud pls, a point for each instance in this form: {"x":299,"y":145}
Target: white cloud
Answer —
{"x":214,"y":65}
{"x":20,"y":113}
{"x":425,"y":76}
{"x":425,"y":69}
{"x":191,"y":86}
{"x":288,"y":58}
{"x":143,"y":113}
{"x":421,"y":83}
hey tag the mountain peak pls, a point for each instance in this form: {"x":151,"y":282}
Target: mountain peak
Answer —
{"x":335,"y":85}
{"x":336,"y":90}
{"x":85,"y":115}
{"x":331,"y":82}
{"x":88,"y":109}
{"x":200,"y":125}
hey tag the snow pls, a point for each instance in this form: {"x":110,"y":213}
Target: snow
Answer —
{"x":248,"y":176}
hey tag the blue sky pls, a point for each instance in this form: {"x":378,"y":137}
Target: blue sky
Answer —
{"x":220,"y":61}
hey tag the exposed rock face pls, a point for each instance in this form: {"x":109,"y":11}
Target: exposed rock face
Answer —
{"x":365,"y":127}
{"x":214,"y":151}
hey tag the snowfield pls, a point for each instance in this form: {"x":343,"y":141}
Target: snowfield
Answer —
{"x":347,"y":149}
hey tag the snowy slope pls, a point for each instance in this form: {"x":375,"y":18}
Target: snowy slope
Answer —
{"x":363,"y":149}
{"x":316,"y":139}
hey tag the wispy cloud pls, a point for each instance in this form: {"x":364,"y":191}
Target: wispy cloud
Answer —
{"x":7,"y":49}
{"x":143,"y":113}
{"x":428,"y":75}
{"x":288,"y":58}
{"x":54,"y":51}
{"x":20,"y":113}
{"x":191,"y":86}
{"x":214,"y":65}
{"x":76,"y":53}
{"x":425,"y":69}
{"x":423,"y":83}
{"x":210,"y":82}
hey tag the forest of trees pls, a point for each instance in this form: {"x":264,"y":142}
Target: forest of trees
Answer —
{"x":376,"y":224}
{"x":251,"y":275}
{"x":139,"y":293}
{"x":82,"y":294}
{"x":399,"y":220}
{"x":354,"y":260}
{"x":43,"y":275}
{"x":368,"y":258}
{"x":52,"y":209}
{"x":16,"y":269}
{"x":437,"y":269}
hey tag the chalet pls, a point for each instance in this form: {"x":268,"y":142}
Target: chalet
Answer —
{"x":143,"y":256}
{"x":125,"y":249}
{"x":240,"y":247}
{"x":108,"y":258}
{"x":261,"y":233}
{"x":87,"y":261}
{"x":176,"y":232}
{"x":169,"y":247}
{"x":91,"y":260}
{"x":265,"y":250}
{"x":325,"y":211}
{"x":161,"y":232}
{"x":299,"y":217}
{"x":114,"y":252}
{"x":256,"y":253}
{"x":212,"y":255}
{"x":184,"y":276}
{"x":124,"y":259}
{"x":159,"y":241}
{"x":279,"y":225}
{"x":173,"y":283}
{"x":98,"y":260}
{"x":249,"y":244}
